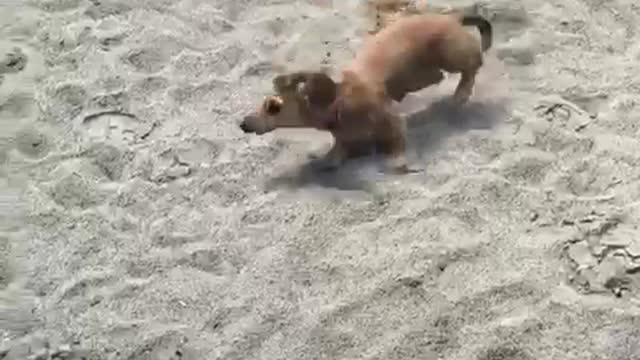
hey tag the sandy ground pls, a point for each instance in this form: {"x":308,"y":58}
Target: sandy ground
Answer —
{"x":138,"y":222}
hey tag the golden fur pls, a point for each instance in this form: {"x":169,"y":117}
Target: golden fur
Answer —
{"x":307,"y":99}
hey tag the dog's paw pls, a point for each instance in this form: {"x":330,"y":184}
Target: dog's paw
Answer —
{"x":460,"y":99}
{"x":403,"y":169}
{"x":314,"y":156}
{"x":322,"y":164}
{"x":414,"y":171}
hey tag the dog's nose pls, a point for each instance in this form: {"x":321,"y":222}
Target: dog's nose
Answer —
{"x":244,"y":125}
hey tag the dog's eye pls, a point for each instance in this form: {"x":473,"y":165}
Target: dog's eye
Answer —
{"x":273,"y":107}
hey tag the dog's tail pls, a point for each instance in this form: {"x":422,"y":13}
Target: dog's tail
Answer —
{"x":483,"y":25}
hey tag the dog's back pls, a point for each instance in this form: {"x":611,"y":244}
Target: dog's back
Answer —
{"x":390,"y":49}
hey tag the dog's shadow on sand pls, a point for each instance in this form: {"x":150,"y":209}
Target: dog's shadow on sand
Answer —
{"x":426,"y":130}
{"x":354,"y":175}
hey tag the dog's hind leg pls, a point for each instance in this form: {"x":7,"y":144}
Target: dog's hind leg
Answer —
{"x":465,"y":87}
{"x":461,"y":53}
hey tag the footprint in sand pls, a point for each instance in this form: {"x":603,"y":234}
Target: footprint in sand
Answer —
{"x":113,"y":126}
{"x":228,"y":58}
{"x":67,"y":102}
{"x":12,"y":60}
{"x":151,"y":87}
{"x":168,"y":345}
{"x":506,"y":352}
{"x":210,"y":261}
{"x":531,"y":168}
{"x":169,"y":233}
{"x":15,"y":60}
{"x":6,"y":275}
{"x":17,"y":106}
{"x":59,"y":5}
{"x":110,"y":41}
{"x":75,"y":191}
{"x":517,"y":51}
{"x":147,"y":60}
{"x":108,"y":158}
{"x":155,"y":57}
{"x":117,"y":100}
{"x":107,"y":119}
{"x":100,"y":9}
{"x":32,"y":142}
{"x":80,"y":285}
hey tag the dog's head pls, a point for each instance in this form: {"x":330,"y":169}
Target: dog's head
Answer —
{"x":299,"y":97}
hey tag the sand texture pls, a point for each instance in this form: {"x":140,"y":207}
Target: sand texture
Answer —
{"x":139,"y":222}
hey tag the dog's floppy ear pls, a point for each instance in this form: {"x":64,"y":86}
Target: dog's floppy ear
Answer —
{"x":289,"y":82}
{"x":316,"y":87}
{"x":281,"y":83}
{"x":320,"y":90}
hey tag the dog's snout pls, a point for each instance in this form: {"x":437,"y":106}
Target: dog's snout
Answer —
{"x":244,"y":125}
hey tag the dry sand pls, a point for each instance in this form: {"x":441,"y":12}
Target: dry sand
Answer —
{"x":157,"y":230}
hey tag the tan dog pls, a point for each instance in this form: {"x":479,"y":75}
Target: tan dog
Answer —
{"x":407,"y":56}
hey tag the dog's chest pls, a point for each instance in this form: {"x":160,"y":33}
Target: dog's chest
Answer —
{"x":355,"y":127}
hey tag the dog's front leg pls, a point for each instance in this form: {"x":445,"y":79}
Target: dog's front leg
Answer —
{"x":334,"y":158}
{"x":392,"y":142}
